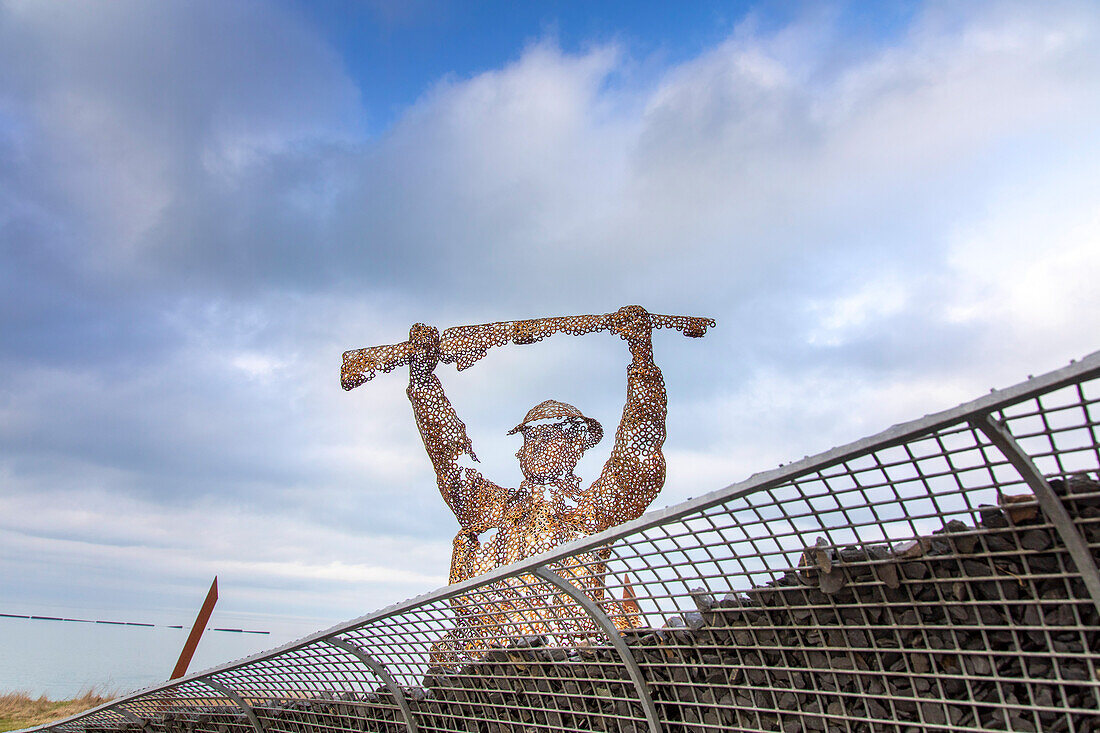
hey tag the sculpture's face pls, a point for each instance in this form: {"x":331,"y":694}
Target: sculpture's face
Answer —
{"x":549,"y":452}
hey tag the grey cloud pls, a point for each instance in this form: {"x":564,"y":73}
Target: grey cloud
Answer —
{"x":129,"y":112}
{"x":193,"y":228}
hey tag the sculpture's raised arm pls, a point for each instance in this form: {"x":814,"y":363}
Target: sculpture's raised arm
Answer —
{"x":635,"y":472}
{"x":463,"y":346}
{"x":466,"y":492}
{"x":632,"y":475}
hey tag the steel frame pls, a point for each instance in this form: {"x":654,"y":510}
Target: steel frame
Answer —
{"x":379,"y":669}
{"x":882,"y":581}
{"x":245,"y":707}
{"x":608,"y":626}
{"x":1051,"y":505}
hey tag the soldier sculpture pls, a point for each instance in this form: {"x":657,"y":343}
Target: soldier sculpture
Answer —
{"x":499,"y":526}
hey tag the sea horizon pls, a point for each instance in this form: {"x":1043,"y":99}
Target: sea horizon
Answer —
{"x":61,"y":660}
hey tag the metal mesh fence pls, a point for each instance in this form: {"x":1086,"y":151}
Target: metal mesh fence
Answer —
{"x":938,"y":576}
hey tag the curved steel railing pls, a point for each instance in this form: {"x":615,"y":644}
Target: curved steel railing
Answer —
{"x":939,"y":575}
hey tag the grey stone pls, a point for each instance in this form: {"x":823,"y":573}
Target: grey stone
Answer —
{"x":888,"y":574}
{"x":831,"y":582}
{"x":694,"y":620}
{"x":704,"y":601}
{"x":992,"y":517}
{"x":1035,"y":539}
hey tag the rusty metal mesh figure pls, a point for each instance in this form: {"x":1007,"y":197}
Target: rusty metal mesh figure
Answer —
{"x":550,"y":507}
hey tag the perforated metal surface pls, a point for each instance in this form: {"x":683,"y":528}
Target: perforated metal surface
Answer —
{"x":912,"y":581}
{"x":499,"y":525}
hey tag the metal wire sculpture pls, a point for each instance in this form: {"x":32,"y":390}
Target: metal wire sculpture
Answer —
{"x":549,"y":507}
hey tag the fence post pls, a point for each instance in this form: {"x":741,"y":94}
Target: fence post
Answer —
{"x":379,"y":669}
{"x":1049,"y":502}
{"x":245,"y":707}
{"x":614,"y":636}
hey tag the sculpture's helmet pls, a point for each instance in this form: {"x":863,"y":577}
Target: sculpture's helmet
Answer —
{"x":551,"y":409}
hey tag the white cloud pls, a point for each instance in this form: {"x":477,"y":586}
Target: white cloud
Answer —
{"x":255,"y":365}
{"x":833,"y":321}
{"x":120,"y":102}
{"x":1032,"y":259}
{"x":776,"y":416}
{"x":194,"y":234}
{"x":133,"y":549}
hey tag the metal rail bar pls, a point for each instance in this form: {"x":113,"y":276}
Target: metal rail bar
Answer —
{"x":379,"y":669}
{"x":613,"y":635}
{"x":872,"y":494}
{"x":245,"y":707}
{"x":1085,"y":368}
{"x":1049,"y":502}
{"x":128,"y":715}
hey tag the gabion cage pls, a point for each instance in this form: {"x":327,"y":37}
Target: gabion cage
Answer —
{"x":938,"y":576}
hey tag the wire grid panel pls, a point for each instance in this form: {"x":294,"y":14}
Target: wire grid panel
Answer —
{"x":190,"y":703}
{"x":109,"y":718}
{"x":878,"y":593}
{"x":507,"y":668}
{"x":277,"y":686}
{"x":908,"y":581}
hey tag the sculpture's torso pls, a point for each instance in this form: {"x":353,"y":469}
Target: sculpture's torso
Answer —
{"x":525,"y":523}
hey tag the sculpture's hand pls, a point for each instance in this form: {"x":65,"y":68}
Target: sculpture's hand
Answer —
{"x":697,"y":327}
{"x":424,"y":352}
{"x":631,"y":322}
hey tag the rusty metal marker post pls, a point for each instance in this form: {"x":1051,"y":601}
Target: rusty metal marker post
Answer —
{"x":196,"y":632}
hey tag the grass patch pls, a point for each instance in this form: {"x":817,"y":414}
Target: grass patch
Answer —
{"x":19,"y":710}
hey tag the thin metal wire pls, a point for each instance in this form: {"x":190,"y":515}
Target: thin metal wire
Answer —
{"x":379,"y":669}
{"x":237,"y":699}
{"x":912,"y":581}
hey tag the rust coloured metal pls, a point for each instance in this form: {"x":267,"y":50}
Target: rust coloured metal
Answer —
{"x":196,"y":632}
{"x":499,"y":525}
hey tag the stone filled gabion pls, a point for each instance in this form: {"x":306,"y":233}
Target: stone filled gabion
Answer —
{"x":968,"y":628}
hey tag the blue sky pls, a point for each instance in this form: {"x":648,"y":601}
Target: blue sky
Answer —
{"x":397,"y":50}
{"x":889,"y":208}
